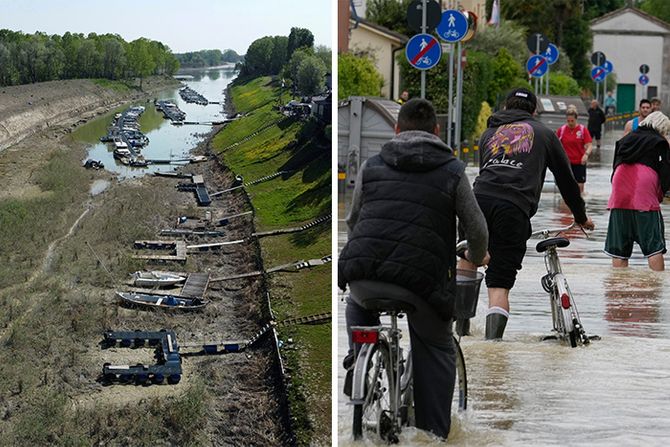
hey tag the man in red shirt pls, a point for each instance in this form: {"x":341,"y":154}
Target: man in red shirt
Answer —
{"x":576,"y":141}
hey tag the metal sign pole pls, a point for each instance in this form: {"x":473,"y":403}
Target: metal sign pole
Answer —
{"x":451,"y":93}
{"x":423,"y":31}
{"x":537,"y":52}
{"x":459,"y":97}
{"x":546,"y":92}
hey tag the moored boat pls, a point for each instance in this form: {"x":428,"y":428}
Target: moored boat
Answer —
{"x":156,"y":278}
{"x":169,"y":302}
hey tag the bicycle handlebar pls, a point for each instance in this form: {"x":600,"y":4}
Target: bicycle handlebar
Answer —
{"x":556,"y":231}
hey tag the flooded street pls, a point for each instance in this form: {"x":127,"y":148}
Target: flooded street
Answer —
{"x":524,"y":391}
{"x":165,"y":140}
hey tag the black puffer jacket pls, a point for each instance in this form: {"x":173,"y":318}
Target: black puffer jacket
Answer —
{"x":406,"y":230}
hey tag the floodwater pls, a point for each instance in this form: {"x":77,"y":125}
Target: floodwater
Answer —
{"x":523,"y":391}
{"x":165,"y":140}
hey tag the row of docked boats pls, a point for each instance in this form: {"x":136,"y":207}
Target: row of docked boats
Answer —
{"x":191,"y":96}
{"x":128,"y":140}
{"x":170,"y":111}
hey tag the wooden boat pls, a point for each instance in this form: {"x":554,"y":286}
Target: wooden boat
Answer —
{"x":156,"y":279}
{"x":169,"y":302}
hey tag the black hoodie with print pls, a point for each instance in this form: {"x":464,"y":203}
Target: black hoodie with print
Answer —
{"x":516,"y":151}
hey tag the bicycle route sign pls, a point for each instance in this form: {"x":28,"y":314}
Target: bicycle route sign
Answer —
{"x":607,"y":65}
{"x":551,"y":54}
{"x":598,"y":74}
{"x":415,"y":15}
{"x":423,"y":51}
{"x":537,"y":66}
{"x":453,"y":26}
{"x":644,"y":79}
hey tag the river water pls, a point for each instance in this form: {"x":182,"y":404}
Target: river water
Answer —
{"x":165,"y":140}
{"x":523,"y":391}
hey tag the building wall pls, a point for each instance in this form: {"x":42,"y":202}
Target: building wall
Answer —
{"x":380,"y":49}
{"x":630,"y":40}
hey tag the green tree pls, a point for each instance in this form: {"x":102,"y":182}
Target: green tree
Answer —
{"x":562,"y":84}
{"x":509,"y":35}
{"x":140,"y":61}
{"x":562,"y":21}
{"x":290,"y":70}
{"x":230,"y":56}
{"x":657,"y":8}
{"x":310,"y":76}
{"x":279,"y":54}
{"x":299,"y":38}
{"x":391,"y":14}
{"x":507,"y":71}
{"x":357,"y":76}
{"x":258,"y":57}
{"x":325,"y":54}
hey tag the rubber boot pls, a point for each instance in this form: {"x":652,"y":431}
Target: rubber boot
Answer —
{"x":495,"y":326}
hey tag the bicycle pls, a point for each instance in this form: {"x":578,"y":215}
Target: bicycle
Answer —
{"x":564,"y":314}
{"x":382,"y":388}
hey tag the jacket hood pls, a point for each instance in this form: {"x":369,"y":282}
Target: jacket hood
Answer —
{"x":508,"y":116}
{"x":416,"y":151}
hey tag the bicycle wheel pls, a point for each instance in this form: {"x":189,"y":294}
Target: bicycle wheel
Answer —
{"x":373,"y":413}
{"x":461,"y":386}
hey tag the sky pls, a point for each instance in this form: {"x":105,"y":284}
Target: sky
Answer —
{"x":186,"y":25}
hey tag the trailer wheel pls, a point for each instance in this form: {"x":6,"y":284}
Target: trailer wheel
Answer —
{"x":174,"y":379}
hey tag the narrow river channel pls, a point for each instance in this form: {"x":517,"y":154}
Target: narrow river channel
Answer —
{"x":166,"y":141}
{"x":523,"y":391}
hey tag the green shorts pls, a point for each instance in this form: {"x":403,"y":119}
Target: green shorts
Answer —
{"x":628,"y":226}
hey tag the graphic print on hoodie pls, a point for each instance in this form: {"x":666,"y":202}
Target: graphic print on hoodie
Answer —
{"x":508,"y":141}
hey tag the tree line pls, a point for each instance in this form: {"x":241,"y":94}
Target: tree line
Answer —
{"x":30,"y":58}
{"x":207,"y":58}
{"x":294,"y":58}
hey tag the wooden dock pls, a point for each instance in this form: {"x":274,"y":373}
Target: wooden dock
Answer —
{"x":195,"y":285}
{"x":177,"y":250}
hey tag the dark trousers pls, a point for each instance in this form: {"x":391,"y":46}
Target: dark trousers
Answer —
{"x":509,"y":229}
{"x":433,"y":359}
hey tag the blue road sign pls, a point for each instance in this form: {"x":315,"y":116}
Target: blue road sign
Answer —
{"x":551,"y":54}
{"x":423,"y":51}
{"x":453,"y":26}
{"x":537,"y":66}
{"x":608,"y":67}
{"x":644,"y":79}
{"x":598,"y":74}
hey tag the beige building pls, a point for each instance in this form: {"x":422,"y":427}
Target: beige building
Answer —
{"x":382,"y":45}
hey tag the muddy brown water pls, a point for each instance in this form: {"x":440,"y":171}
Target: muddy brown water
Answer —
{"x":524,"y":391}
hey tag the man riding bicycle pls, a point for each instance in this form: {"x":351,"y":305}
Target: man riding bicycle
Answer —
{"x":516,"y":151}
{"x":402,"y":230}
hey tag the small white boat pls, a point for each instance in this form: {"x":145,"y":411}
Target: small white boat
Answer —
{"x":156,"y":279}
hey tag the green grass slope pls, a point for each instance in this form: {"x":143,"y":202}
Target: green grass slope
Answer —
{"x":261,"y":143}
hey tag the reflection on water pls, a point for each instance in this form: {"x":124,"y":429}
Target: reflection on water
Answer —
{"x":633,"y":301}
{"x":165,"y":140}
{"x":524,"y":391}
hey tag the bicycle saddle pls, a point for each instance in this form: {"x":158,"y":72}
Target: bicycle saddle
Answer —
{"x":383,"y":296}
{"x":559,"y":242}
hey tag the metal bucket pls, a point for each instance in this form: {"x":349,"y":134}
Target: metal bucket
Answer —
{"x":468,"y":283}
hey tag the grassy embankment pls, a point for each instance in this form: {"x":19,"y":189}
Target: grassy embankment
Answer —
{"x":287,"y":144}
